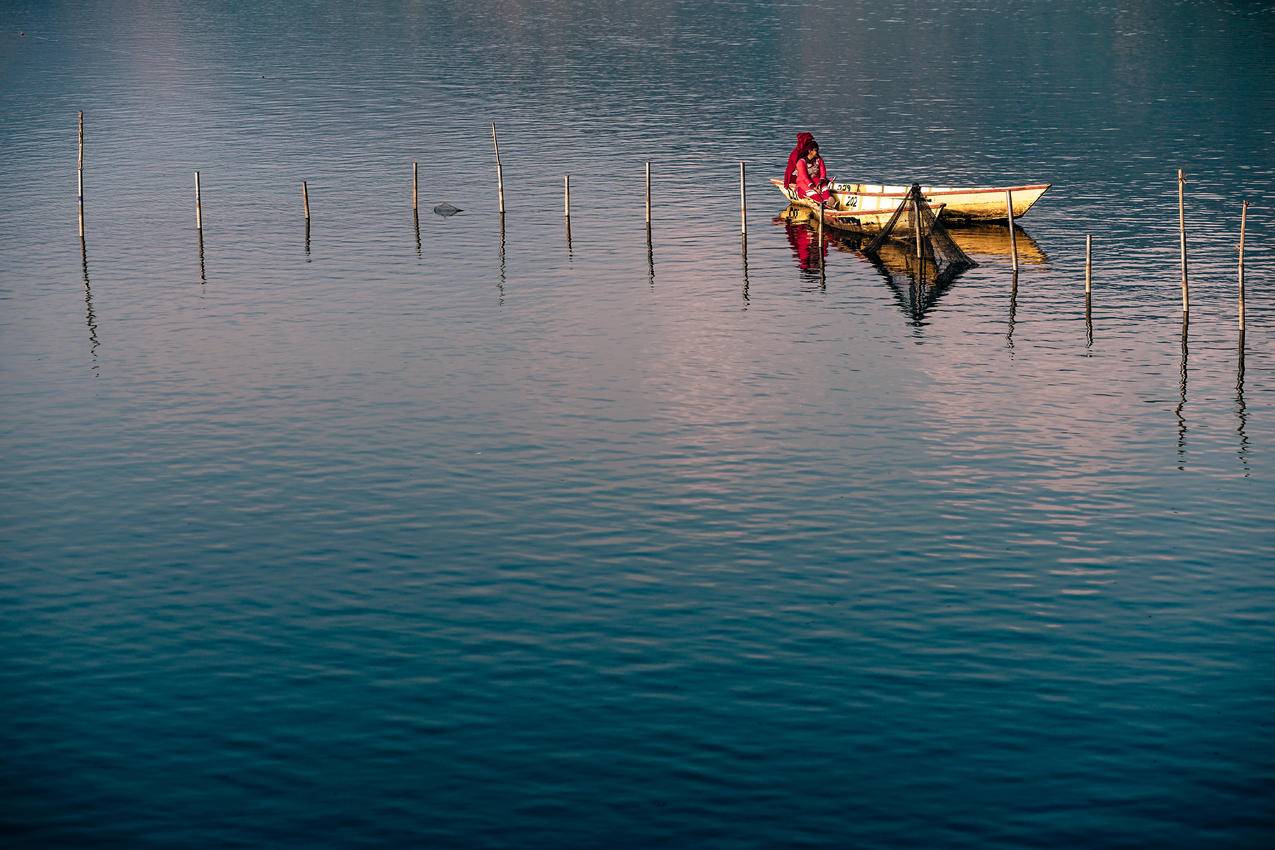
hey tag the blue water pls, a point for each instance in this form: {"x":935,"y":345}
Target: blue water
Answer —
{"x":508,"y":537}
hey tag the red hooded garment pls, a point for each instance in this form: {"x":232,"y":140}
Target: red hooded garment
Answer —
{"x":804,"y":141}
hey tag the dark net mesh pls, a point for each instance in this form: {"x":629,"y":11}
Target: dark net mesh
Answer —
{"x":938,"y":254}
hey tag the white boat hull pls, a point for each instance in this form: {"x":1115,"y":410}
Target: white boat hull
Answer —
{"x":869,"y":201}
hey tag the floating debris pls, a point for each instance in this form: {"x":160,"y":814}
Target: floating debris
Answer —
{"x":446,"y":209}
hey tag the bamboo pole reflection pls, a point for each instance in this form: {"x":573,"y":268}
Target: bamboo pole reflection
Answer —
{"x":1088,"y":320}
{"x":416,"y":226}
{"x":90,"y":318}
{"x":650,"y":257}
{"x":1181,"y":408}
{"x":203,"y":278}
{"x":500,"y":284}
{"x":744,"y":255}
{"x":1013,"y":310}
{"x":1241,"y":411}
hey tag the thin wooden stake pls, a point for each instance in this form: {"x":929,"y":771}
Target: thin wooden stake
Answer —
{"x":79,"y":172}
{"x":916,"y":225}
{"x":199,"y":207}
{"x":1186,"y":293}
{"x":1243,"y":222}
{"x":500,"y":171}
{"x":305,"y":199}
{"x":648,"y":194}
{"x":566,"y":196}
{"x":743,"y":201}
{"x":1013,"y":236}
{"x":1088,"y":264}
{"x":414,"y":186}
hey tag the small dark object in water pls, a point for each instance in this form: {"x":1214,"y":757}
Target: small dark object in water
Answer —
{"x":446,"y":209}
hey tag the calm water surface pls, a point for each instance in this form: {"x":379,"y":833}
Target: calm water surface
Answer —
{"x":495,"y":537}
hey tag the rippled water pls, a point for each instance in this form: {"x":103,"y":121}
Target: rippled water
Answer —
{"x":509,"y":537}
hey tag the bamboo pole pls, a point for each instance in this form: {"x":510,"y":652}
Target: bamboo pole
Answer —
{"x":1088,"y":264}
{"x":743,"y":201}
{"x":916,"y":224}
{"x":79,"y":172}
{"x":566,"y":196}
{"x":414,"y":186}
{"x":648,"y":194}
{"x":305,"y":199}
{"x":500,"y":171}
{"x":1186,"y":292}
{"x":199,"y":206}
{"x":1243,"y":222}
{"x":1013,"y":236}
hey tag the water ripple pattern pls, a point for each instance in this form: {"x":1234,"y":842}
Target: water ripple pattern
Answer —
{"x":396,"y":531}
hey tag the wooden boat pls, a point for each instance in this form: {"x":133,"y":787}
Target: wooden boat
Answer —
{"x":868,"y":217}
{"x":979,"y":203}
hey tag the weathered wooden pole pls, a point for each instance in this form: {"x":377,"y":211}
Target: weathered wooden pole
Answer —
{"x":566,"y":196}
{"x":79,"y":172}
{"x":1186,"y":292}
{"x":1013,"y":236}
{"x":1243,"y":221}
{"x":916,"y":224}
{"x":414,"y":186}
{"x":500,"y":171}
{"x":743,"y":201}
{"x":1088,"y":264}
{"x":199,"y":206}
{"x":648,"y":194}
{"x":305,"y":199}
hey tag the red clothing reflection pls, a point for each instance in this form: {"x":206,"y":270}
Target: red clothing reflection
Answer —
{"x":804,"y":244}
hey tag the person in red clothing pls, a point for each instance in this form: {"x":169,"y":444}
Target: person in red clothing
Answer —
{"x":812,"y":176}
{"x":806,"y":174}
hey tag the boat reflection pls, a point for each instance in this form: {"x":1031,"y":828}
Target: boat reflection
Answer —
{"x":917,"y":285}
{"x":992,"y":240}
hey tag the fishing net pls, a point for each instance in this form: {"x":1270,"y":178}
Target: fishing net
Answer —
{"x":939,"y":256}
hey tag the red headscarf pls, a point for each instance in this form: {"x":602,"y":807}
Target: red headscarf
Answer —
{"x":804,"y":141}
